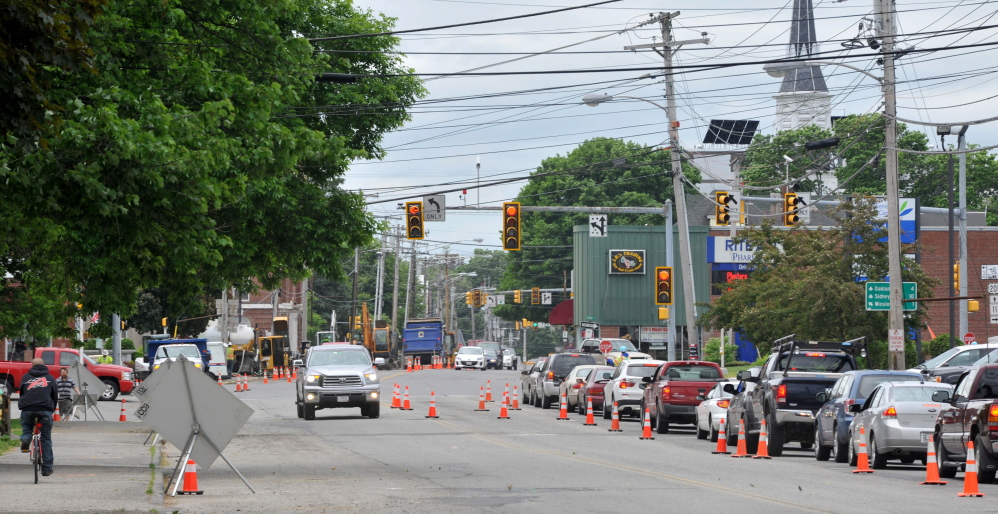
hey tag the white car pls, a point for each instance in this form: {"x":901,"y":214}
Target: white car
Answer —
{"x":711,"y":411}
{"x":575,"y":379}
{"x":470,"y":357}
{"x":626,"y":388}
{"x":509,"y":358}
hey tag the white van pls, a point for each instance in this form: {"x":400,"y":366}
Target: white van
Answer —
{"x":216,"y":364}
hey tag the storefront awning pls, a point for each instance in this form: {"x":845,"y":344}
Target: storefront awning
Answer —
{"x":562,"y":314}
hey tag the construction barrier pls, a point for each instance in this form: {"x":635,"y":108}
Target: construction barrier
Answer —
{"x":190,"y":485}
{"x":646,"y":426}
{"x":763,"y":450}
{"x":563,"y":411}
{"x":741,"y":451}
{"x":590,"y":421}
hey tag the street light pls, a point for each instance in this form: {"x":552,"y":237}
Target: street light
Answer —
{"x":895,"y":333}
{"x":685,"y":253}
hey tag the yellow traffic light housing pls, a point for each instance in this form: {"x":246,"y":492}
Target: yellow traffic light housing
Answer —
{"x":517,"y":296}
{"x":163,"y":322}
{"x":511,"y":226}
{"x":973,"y":306}
{"x":956,"y":277}
{"x":663,"y":285}
{"x":414,"y":220}
{"x":535,"y":325}
{"x":722,"y":214}
{"x":791,"y":202}
{"x":517,"y":325}
{"x":476,"y":298}
{"x":468,"y":298}
{"x":663,"y":313}
{"x":535,"y":296}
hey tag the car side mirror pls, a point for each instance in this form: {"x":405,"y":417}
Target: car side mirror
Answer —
{"x":525,"y":372}
{"x":647,"y":380}
{"x":854,"y":408}
{"x":821,"y":397}
{"x":297,"y":363}
{"x":746,"y":376}
{"x":941,"y":396}
{"x":729,"y":388}
{"x":701,"y":397}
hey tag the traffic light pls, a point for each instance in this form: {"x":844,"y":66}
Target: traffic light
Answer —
{"x":468,"y":300}
{"x":663,"y":285}
{"x":534,"y":325}
{"x":790,"y":205}
{"x":511,"y":226}
{"x":525,"y":323}
{"x":535,"y":296}
{"x":163,"y":322}
{"x":476,"y":298}
{"x":956,"y":277}
{"x":414,"y":220}
{"x":973,"y":306}
{"x":517,"y":298}
{"x":721,"y":209}
{"x":663,"y":313}
{"x":517,"y":325}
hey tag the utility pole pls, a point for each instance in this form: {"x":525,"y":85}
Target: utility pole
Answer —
{"x":446,"y":291}
{"x":885,"y":29}
{"x":669,"y":48}
{"x":964,"y":270}
{"x":353,"y":302}
{"x":409,"y":282}
{"x":471,"y":308}
{"x":273,"y":307}
{"x":395,"y":287}
{"x":305,"y":315}
{"x":379,"y":294}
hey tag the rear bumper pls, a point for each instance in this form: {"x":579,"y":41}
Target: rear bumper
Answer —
{"x":794,"y":416}
{"x":680,"y":413}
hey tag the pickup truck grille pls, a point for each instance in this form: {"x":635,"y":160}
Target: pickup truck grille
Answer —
{"x":339,"y":381}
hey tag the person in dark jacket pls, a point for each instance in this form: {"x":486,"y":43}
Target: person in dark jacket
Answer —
{"x":39,"y":395}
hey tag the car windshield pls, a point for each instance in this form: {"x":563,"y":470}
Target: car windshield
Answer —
{"x":563,"y":364}
{"x":815,"y":361}
{"x":915,"y":394}
{"x":641,"y":371}
{"x":939,"y":359}
{"x":172,"y":352}
{"x":992,"y":356}
{"x":692,"y":372}
{"x":868,"y":382}
{"x":618,"y":343}
{"x":470,"y":350}
{"x":490,"y":354}
{"x":339,"y":357}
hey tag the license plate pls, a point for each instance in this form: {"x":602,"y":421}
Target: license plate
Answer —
{"x":342,"y":399}
{"x":925,"y":437}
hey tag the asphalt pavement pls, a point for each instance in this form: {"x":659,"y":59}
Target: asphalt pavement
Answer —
{"x":464,"y":461}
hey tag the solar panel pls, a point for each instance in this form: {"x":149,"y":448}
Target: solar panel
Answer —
{"x":731,"y":132}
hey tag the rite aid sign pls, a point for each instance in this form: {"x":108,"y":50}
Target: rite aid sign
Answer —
{"x":723,"y":250}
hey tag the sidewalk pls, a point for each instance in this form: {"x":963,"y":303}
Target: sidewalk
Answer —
{"x":99,"y":466}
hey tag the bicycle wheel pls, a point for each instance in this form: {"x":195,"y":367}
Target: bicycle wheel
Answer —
{"x":36,"y":457}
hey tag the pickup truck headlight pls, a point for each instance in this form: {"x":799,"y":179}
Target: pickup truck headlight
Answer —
{"x":371,"y":377}
{"x":126,"y":375}
{"x":311,"y":379}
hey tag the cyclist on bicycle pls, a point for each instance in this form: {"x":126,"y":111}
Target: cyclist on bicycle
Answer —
{"x":39,"y":395}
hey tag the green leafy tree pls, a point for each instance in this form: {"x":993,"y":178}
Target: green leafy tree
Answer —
{"x":869,"y":128}
{"x":931,"y":182}
{"x":764,"y":165}
{"x":805,"y":282}
{"x":600,"y":172}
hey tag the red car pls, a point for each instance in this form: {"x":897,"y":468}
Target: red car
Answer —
{"x":592,"y":388}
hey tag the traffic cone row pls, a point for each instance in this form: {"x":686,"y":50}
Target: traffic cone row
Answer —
{"x":931,"y":466}
{"x":646,"y":426}
{"x":862,"y":461}
{"x":190,"y":485}
{"x":563,"y":412}
{"x":741,"y":451}
{"x":722,"y":440}
{"x":590,"y":421}
{"x":615,"y":419}
{"x":405,"y":403}
{"x":433,"y":407}
{"x":970,"y":475}
{"x":763,"y":451}
{"x":277,"y":374}
{"x":123,"y":416}
{"x":481,"y":400}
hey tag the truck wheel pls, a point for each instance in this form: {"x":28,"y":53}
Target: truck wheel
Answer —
{"x":309,"y":412}
{"x":776,"y":439}
{"x":110,"y":390}
{"x":942,"y":456}
{"x":821,"y":452}
{"x":545,"y":402}
{"x":301,"y":411}
{"x":374,"y":410}
{"x":661,"y":422}
{"x":984,"y":461}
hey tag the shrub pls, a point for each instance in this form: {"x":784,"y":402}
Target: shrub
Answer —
{"x":936,"y":346}
{"x":127,"y":344}
{"x":712,"y":351}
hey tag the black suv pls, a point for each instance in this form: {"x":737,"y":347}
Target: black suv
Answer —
{"x":555,"y":369}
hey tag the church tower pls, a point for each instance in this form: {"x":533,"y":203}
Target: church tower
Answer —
{"x":803,"y":98}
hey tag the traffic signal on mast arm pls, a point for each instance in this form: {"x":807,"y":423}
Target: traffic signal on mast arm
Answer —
{"x":414,"y":220}
{"x":467,"y":298}
{"x":791,"y":202}
{"x":517,"y":296}
{"x":721,"y":210}
{"x":476,"y":298}
{"x":956,"y":277}
{"x":663,"y":285}
{"x":535,"y":296}
{"x":511,"y":226}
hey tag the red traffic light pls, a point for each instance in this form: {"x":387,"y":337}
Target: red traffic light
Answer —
{"x":511,"y":210}
{"x":511,"y":226}
{"x":663,"y":274}
{"x":413,"y":209}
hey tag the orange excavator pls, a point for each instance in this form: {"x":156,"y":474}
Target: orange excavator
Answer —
{"x":377,"y":338}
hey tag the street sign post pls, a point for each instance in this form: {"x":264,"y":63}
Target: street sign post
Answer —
{"x":989,"y":271}
{"x":993,"y":302}
{"x":435,"y":208}
{"x":878,"y":296}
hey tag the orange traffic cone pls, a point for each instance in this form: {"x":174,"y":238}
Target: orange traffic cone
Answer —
{"x":646,"y":426}
{"x":563,"y":412}
{"x":219,"y":379}
{"x":123,"y":416}
{"x":190,"y":479}
{"x":481,"y":400}
{"x":862,"y":461}
{"x":516,"y":400}
{"x":722,"y":441}
{"x":405,"y":402}
{"x":245,"y":382}
{"x":56,"y":416}
{"x":239,"y":384}
{"x":970,"y":475}
{"x":265,"y":381}
{"x":763,"y":451}
{"x":615,"y":420}
{"x":488,"y":391}
{"x":396,"y":402}
{"x":277,"y":374}
{"x":433,"y":407}
{"x":408,"y":364}
{"x":294,"y":373}
{"x":287,"y":374}
{"x":590,"y":421}
{"x":504,"y":411}
{"x":419,"y":363}
{"x":440,"y":362}
{"x":741,"y":451}
{"x":931,"y":466}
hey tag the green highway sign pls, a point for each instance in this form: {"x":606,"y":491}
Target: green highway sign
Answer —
{"x":878,"y":296}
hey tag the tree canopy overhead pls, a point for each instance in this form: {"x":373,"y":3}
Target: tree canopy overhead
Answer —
{"x":196,"y":150}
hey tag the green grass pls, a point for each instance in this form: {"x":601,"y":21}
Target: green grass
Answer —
{"x":733,"y":370}
{"x":14,"y":441}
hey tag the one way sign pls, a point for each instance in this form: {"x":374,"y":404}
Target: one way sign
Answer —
{"x":597,"y":225}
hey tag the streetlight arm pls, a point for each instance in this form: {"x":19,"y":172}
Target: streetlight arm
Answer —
{"x":596,"y":99}
{"x":844,"y":65}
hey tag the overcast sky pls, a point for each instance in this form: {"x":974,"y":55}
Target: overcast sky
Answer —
{"x":512,"y":131}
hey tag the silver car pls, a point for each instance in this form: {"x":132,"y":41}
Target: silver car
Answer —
{"x":529,"y":377}
{"x":337,"y":376}
{"x":573,"y":381}
{"x":898,"y":418}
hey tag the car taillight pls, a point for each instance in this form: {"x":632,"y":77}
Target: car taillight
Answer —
{"x":781,"y":393}
{"x":723,"y":403}
{"x":550,"y":375}
{"x":814,"y":354}
{"x":577,"y":386}
{"x":848,"y":402}
{"x":666,"y":393}
{"x":891,"y":412}
{"x":993,"y":417}
{"x":625,"y":384}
